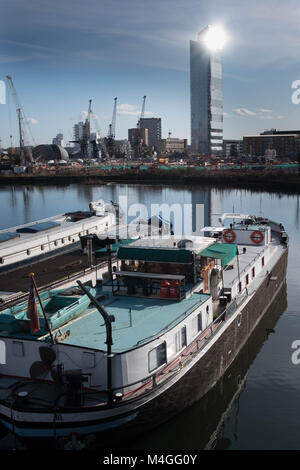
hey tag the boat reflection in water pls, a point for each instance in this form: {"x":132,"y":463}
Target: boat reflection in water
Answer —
{"x":201,"y":426}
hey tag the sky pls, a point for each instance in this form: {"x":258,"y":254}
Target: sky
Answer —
{"x":62,"y":53}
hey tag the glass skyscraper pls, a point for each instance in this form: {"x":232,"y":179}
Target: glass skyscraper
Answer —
{"x":206,"y":97}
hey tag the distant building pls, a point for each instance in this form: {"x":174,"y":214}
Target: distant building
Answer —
{"x":283,"y":143}
{"x":49,"y":152}
{"x":58,"y":140}
{"x":154,"y":130}
{"x":233,"y":147}
{"x":138,"y":135}
{"x":172,"y":144}
{"x":206,"y":97}
{"x":81,"y":130}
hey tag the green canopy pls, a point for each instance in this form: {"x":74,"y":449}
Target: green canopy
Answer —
{"x":115,"y":246}
{"x":224,"y":251}
{"x":155,"y":254}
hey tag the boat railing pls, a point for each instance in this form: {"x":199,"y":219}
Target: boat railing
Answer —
{"x":166,"y":327}
{"x":246,"y":268}
{"x":165,"y":372}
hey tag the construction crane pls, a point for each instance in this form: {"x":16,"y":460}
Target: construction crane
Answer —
{"x":21,"y":119}
{"x":142,"y":113}
{"x":112,"y":126}
{"x":110,"y":140}
{"x":139,"y":138}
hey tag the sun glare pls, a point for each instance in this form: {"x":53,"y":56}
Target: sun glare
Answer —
{"x":215,"y":38}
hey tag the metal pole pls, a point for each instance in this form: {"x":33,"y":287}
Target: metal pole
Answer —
{"x":42,"y":307}
{"x":108,"y":319}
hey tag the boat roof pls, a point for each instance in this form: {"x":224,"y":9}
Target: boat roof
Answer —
{"x":39,"y":227}
{"x":171,"y":242}
{"x":138,"y":320}
{"x":55,"y":225}
{"x":233,"y":215}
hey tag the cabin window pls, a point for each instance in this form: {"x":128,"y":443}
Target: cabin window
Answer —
{"x":42,"y":247}
{"x":247,"y":279}
{"x":263,"y":261}
{"x":207,"y":309}
{"x":63,"y":240}
{"x":18,"y":348}
{"x":69,"y":238}
{"x":180,"y":339}
{"x":199,"y":321}
{"x":157,"y":357}
{"x":28,"y":252}
{"x":240,"y":287}
{"x":55,"y":243}
{"x":1,"y":260}
{"x":253,"y":272}
{"x":239,"y":320}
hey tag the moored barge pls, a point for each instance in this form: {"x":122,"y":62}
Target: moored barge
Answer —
{"x":176,"y":311}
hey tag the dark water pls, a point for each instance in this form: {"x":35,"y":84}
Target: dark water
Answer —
{"x":257,"y":404}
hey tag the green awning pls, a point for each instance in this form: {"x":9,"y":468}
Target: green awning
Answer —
{"x":155,"y":255}
{"x":224,"y":251}
{"x":115,"y":246}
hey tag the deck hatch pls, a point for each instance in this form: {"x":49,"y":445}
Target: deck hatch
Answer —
{"x":4,"y":237}
{"x":40,"y":227}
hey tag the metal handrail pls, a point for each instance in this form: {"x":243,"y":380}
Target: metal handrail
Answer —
{"x":226,"y":314}
{"x":167,"y":326}
{"x":247,"y":267}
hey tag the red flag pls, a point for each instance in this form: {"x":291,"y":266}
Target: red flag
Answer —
{"x":32,"y":310}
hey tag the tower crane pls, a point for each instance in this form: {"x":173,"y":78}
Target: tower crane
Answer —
{"x":112,"y":126}
{"x":21,"y":119}
{"x":110,"y":140}
{"x":142,"y":113}
{"x":139,"y":141}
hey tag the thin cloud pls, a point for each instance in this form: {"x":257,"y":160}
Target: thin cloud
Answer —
{"x":84,"y":115}
{"x":131,"y":110}
{"x":263,"y":110}
{"x":244,"y":112}
{"x":31,"y":120}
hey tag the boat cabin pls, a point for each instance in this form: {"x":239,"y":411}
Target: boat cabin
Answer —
{"x":172,"y":269}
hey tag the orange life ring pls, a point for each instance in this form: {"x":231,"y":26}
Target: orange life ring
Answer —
{"x":256,"y":237}
{"x":229,"y":236}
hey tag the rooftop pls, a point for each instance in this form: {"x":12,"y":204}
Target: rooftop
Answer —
{"x":198,"y":242}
